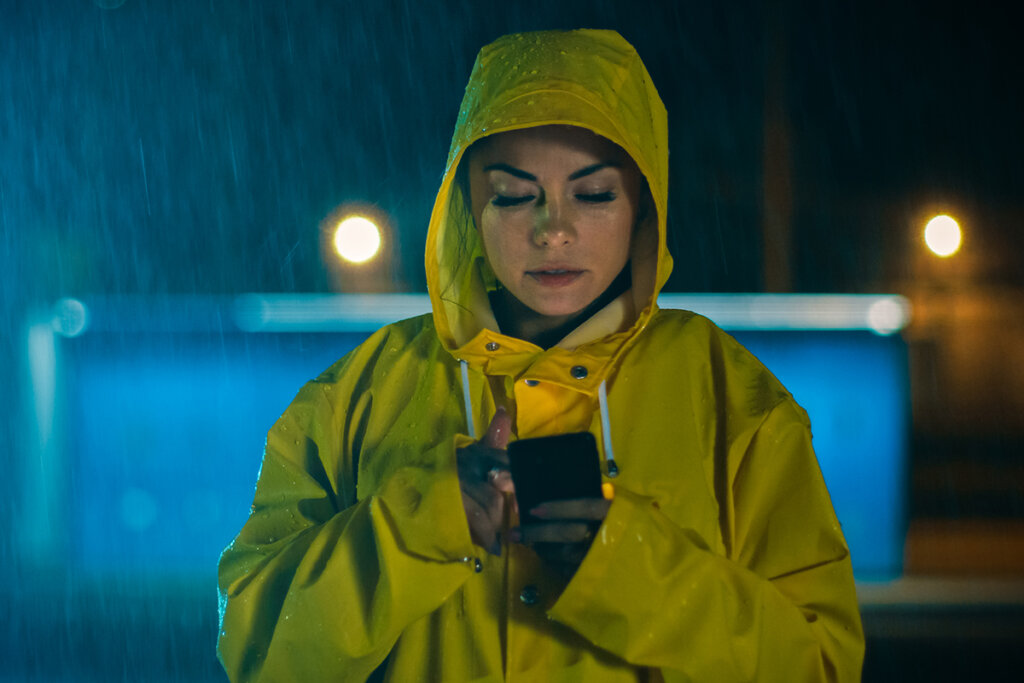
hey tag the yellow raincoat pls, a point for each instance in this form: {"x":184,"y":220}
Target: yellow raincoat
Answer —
{"x":720,"y":559}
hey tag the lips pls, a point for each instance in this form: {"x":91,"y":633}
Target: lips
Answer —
{"x":555,"y":276}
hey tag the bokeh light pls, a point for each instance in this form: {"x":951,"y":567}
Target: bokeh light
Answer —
{"x":942,"y":235}
{"x":70,"y":317}
{"x":357,"y":239}
{"x":888,"y":315}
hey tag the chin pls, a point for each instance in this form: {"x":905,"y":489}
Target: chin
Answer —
{"x":558,"y":309}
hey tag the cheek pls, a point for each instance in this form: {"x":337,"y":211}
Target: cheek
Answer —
{"x":617,"y":243}
{"x":628,"y":224}
{"x":497,"y":236}
{"x":486,"y":225}
{"x":616,"y":229}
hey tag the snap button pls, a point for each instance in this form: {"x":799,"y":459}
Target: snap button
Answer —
{"x":529,"y":595}
{"x":531,"y":382}
{"x":492,"y":346}
{"x":578,"y":371}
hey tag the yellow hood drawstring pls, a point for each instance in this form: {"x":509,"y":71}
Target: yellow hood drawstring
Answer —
{"x":606,"y":431}
{"x":470,"y":423}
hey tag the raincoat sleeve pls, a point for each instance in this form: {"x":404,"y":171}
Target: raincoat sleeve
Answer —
{"x":317,"y":585}
{"x":779,"y":605}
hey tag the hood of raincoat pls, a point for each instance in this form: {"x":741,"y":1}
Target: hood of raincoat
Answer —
{"x":592,"y":79}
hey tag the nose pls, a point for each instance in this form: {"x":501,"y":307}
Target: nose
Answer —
{"x":553,"y":224}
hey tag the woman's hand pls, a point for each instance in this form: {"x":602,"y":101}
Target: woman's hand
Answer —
{"x":485,"y":479}
{"x":566,"y":533}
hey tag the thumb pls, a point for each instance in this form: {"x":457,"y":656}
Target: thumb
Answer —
{"x":498,"y":430}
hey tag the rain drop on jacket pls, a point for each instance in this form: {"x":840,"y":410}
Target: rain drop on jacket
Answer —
{"x":720,"y":559}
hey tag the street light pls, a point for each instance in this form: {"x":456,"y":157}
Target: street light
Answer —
{"x":942,"y":235}
{"x":357,"y":249}
{"x":357,"y":239}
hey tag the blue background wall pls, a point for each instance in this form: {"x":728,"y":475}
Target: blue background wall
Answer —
{"x":164,"y":425}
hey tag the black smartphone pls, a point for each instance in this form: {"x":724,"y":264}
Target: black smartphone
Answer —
{"x":554,"y":468}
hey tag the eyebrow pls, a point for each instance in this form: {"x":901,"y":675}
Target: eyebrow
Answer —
{"x":519,"y":173}
{"x":593,"y":168}
{"x":511,"y":170}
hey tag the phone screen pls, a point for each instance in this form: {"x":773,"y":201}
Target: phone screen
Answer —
{"x":554,"y":468}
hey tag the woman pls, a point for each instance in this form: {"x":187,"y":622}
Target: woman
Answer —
{"x":383,"y":540}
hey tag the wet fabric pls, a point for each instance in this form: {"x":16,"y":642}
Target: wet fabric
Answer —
{"x":720,"y":559}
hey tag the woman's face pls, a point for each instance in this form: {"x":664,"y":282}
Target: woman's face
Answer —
{"x":555,"y":207}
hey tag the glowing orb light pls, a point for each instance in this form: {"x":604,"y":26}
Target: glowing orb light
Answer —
{"x":357,"y":239}
{"x":70,"y":317}
{"x":942,"y":235}
{"x":888,"y":315}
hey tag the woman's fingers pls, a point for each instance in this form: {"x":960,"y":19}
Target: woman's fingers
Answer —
{"x":595,"y":509}
{"x":476,"y":516}
{"x":565,"y":558}
{"x":484,"y":524}
{"x":565,"y":532}
{"x":488,"y":498}
{"x":554,"y":532}
{"x":562,"y":545}
{"x":498,"y":431}
{"x":485,"y":480}
{"x":501,"y":479}
{"x":487,"y":459}
{"x":477,"y":463}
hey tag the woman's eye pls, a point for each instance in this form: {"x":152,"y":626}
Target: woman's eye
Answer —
{"x":503,"y":200}
{"x":596,"y":197}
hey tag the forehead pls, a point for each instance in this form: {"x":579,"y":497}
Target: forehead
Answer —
{"x":545,"y":141}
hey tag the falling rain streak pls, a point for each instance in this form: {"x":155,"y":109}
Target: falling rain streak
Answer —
{"x":172,"y":175}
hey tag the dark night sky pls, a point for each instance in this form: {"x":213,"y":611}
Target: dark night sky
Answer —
{"x":168,"y":147}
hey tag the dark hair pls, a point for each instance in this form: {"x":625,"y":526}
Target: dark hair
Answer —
{"x":462,"y":180}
